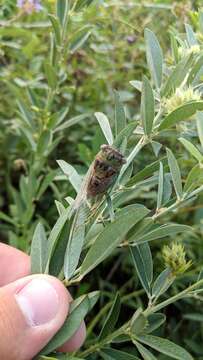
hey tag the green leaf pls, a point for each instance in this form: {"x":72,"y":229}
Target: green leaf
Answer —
{"x":79,"y":40}
{"x":142,"y":260}
{"x":72,"y":121}
{"x":136,"y":84}
{"x":194,"y":178}
{"x":138,"y":322}
{"x":44,"y":142}
{"x":55,"y":234}
{"x":120,"y":119}
{"x":192,"y":149}
{"x":194,"y":317}
{"x":165,"y":346}
{"x":7,"y":218}
{"x":38,"y":251}
{"x":175,"y":173}
{"x":147,"y":171}
{"x":62,"y":7}
{"x":105,"y":126}
{"x":57,"y":259}
{"x":155,"y":321}
{"x":56,"y":27}
{"x":146,"y":354}
{"x":156,"y":146}
{"x":162,"y":283}
{"x":111,"y":319}
{"x":174,"y":47}
{"x":113,"y":354}
{"x":102,"y":248}
{"x":75,"y":242}
{"x":71,"y":173}
{"x":82,"y":3}
{"x":191,"y":38}
{"x":177,"y":76}
{"x":147,"y":106}
{"x":167,"y":188}
{"x":124,"y":134}
{"x":195,"y":71}
{"x":199,"y":118}
{"x":47,"y":180}
{"x":154,"y":57}
{"x":78,"y":310}
{"x":161,"y":231}
{"x":50,"y":75}
{"x":160,"y":186}
{"x":25,"y":113}
{"x":182,"y":113}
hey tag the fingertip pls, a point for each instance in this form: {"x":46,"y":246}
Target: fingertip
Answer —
{"x":14,"y":264}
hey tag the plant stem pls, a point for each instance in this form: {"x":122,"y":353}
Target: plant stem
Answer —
{"x":107,"y":340}
{"x":174,"y":298}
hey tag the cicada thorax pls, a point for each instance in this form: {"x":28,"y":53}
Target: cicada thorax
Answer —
{"x":106,"y":168}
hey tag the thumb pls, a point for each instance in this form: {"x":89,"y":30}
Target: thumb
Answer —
{"x":32,"y":310}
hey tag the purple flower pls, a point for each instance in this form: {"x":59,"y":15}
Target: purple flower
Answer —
{"x":29,"y":6}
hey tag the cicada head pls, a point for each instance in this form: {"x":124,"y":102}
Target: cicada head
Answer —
{"x":112,"y":156}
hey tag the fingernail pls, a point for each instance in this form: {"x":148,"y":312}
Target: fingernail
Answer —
{"x":38,"y":301}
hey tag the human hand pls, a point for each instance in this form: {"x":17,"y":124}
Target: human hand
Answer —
{"x":32,"y":308}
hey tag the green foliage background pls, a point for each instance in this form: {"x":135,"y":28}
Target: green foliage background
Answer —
{"x":48,"y":100}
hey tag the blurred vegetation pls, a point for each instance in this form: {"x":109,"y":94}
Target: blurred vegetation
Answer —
{"x":47,"y":113}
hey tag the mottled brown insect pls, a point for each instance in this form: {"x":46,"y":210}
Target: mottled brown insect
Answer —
{"x":105,"y":169}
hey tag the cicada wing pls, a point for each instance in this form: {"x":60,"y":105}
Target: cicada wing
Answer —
{"x":82,"y":194}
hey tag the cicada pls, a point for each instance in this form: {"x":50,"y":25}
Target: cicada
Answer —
{"x":101,"y":175}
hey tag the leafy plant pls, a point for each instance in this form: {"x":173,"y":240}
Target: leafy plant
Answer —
{"x":148,"y":204}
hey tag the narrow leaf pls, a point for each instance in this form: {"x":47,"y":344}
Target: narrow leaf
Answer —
{"x":75,"y":242}
{"x":160,"y":186}
{"x":127,"y":217}
{"x":114,"y":354}
{"x":55,"y":233}
{"x":177,"y":76}
{"x":120,"y":119}
{"x":154,"y":57}
{"x":146,"y":354}
{"x":182,"y":113}
{"x":162,"y":283}
{"x":160,"y":232}
{"x":192,"y":149}
{"x":165,"y":347}
{"x":79,"y":41}
{"x":200,"y":126}
{"x":38,"y":252}
{"x":147,"y":171}
{"x":62,"y":7}
{"x":191,"y":38}
{"x":71,"y":173}
{"x":155,"y":321}
{"x":56,"y":27}
{"x":175,"y":173}
{"x":105,"y":127}
{"x":194,"y":178}
{"x":111,"y":319}
{"x":147,"y":106}
{"x":50,"y":75}
{"x":142,"y":260}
